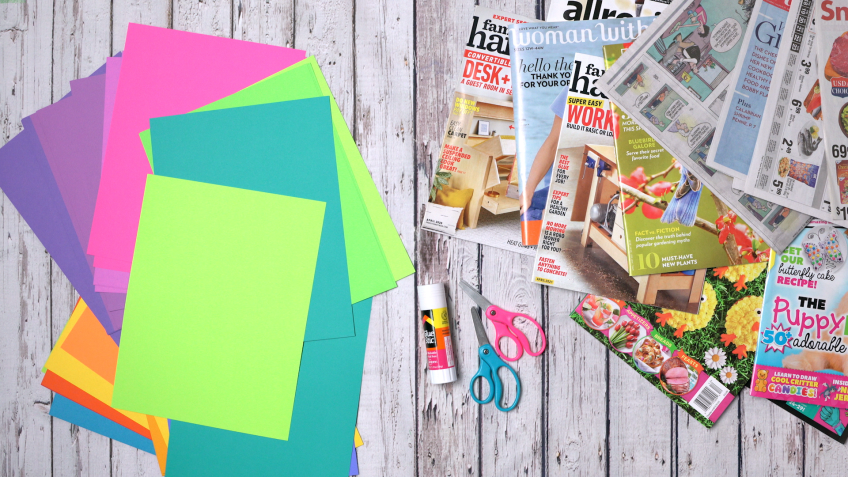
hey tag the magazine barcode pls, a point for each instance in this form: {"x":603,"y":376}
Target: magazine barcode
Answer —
{"x":709,"y":397}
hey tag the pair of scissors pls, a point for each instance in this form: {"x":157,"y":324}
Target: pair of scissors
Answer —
{"x":489,"y":366}
{"x":504,"y":328}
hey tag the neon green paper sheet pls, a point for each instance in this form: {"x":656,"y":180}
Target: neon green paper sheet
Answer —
{"x":217,"y":305}
{"x":375,"y":264}
{"x":282,"y":148}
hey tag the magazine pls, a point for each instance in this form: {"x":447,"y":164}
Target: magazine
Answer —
{"x":575,"y":10}
{"x":700,"y":361}
{"x":671,"y":222}
{"x":474,"y":193}
{"x":832,"y":49}
{"x":787,"y":166}
{"x":801,"y":355}
{"x":582,"y":247}
{"x":739,"y":122}
{"x":542,"y":66}
{"x":687,"y":59}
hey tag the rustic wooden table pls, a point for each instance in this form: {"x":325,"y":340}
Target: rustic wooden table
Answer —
{"x":392,"y":65}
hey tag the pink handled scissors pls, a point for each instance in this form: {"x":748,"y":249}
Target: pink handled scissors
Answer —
{"x":504,"y":328}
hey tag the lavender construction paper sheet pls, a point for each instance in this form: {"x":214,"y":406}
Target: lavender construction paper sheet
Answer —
{"x":25,"y":179}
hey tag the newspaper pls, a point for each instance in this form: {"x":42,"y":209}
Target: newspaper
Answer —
{"x":788,"y":167}
{"x":575,"y":10}
{"x":832,"y":49}
{"x":739,"y":122}
{"x":687,"y":59}
{"x":474,"y":193}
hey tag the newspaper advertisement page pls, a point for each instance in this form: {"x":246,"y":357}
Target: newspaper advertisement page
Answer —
{"x":576,"y":10}
{"x":474,"y":193}
{"x":832,"y":48}
{"x":788,"y":167}
{"x":687,"y":58}
{"x":740,"y":118}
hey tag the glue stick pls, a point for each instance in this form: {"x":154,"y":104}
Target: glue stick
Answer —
{"x":437,"y":335}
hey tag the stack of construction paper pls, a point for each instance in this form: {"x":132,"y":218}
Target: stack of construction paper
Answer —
{"x":208,"y":202}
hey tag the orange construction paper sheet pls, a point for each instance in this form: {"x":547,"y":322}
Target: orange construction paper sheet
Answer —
{"x":68,"y":367}
{"x":159,"y":433}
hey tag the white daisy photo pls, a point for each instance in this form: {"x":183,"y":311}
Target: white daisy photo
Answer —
{"x":728,"y":375}
{"x":715,"y":358}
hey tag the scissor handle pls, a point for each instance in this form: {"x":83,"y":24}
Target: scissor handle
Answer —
{"x":489,"y":366}
{"x":504,"y":328}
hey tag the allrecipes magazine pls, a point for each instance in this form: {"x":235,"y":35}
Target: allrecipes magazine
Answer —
{"x":474,"y":193}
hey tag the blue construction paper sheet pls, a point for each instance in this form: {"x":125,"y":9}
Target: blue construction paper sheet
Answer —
{"x":67,"y":410}
{"x":323,"y":421}
{"x":281,"y":148}
{"x":354,"y":462}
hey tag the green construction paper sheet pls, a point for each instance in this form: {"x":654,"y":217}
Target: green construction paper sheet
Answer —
{"x":216,"y":306}
{"x":324,"y":417}
{"x":305,"y":80}
{"x":281,"y":148}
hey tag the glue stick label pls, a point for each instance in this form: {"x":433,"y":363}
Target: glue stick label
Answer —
{"x":437,"y":339}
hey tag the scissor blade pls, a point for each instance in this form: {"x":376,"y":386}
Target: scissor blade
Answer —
{"x":479,"y":299}
{"x":482,"y":338}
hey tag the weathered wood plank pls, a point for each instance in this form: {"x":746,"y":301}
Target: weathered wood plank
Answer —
{"x":640,"y":427}
{"x":264,"y":21}
{"x":703,"y":451}
{"x":25,"y":81}
{"x":511,"y":443}
{"x":145,"y":12}
{"x":212,"y":17}
{"x":383,"y":128}
{"x":576,"y":381}
{"x":130,"y":462}
{"x":326,"y":31}
{"x":448,"y":437}
{"x":82,"y":35}
{"x":772,"y":439}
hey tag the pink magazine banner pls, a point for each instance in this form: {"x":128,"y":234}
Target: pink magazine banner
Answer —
{"x":164,"y":72}
{"x":800,"y":386}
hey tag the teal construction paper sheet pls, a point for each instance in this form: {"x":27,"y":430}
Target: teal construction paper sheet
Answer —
{"x":67,"y":410}
{"x":324,"y":418}
{"x":281,"y":148}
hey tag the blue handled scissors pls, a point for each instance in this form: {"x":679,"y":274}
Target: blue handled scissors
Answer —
{"x":490,"y":363}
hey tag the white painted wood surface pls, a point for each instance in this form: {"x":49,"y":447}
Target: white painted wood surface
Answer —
{"x":392,"y":66}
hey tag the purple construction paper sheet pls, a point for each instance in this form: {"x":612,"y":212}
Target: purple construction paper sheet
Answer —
{"x":113,"y":72}
{"x":25,"y":179}
{"x":354,"y":462}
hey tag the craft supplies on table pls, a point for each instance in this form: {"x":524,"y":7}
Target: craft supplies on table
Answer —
{"x":490,"y":364}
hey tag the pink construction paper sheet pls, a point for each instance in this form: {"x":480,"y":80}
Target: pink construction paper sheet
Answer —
{"x":105,"y":278}
{"x":164,"y":72}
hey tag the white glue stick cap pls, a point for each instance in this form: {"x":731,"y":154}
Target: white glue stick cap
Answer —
{"x":432,"y":297}
{"x":443,"y":376}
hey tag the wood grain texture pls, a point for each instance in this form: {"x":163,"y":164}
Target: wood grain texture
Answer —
{"x":392,"y":66}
